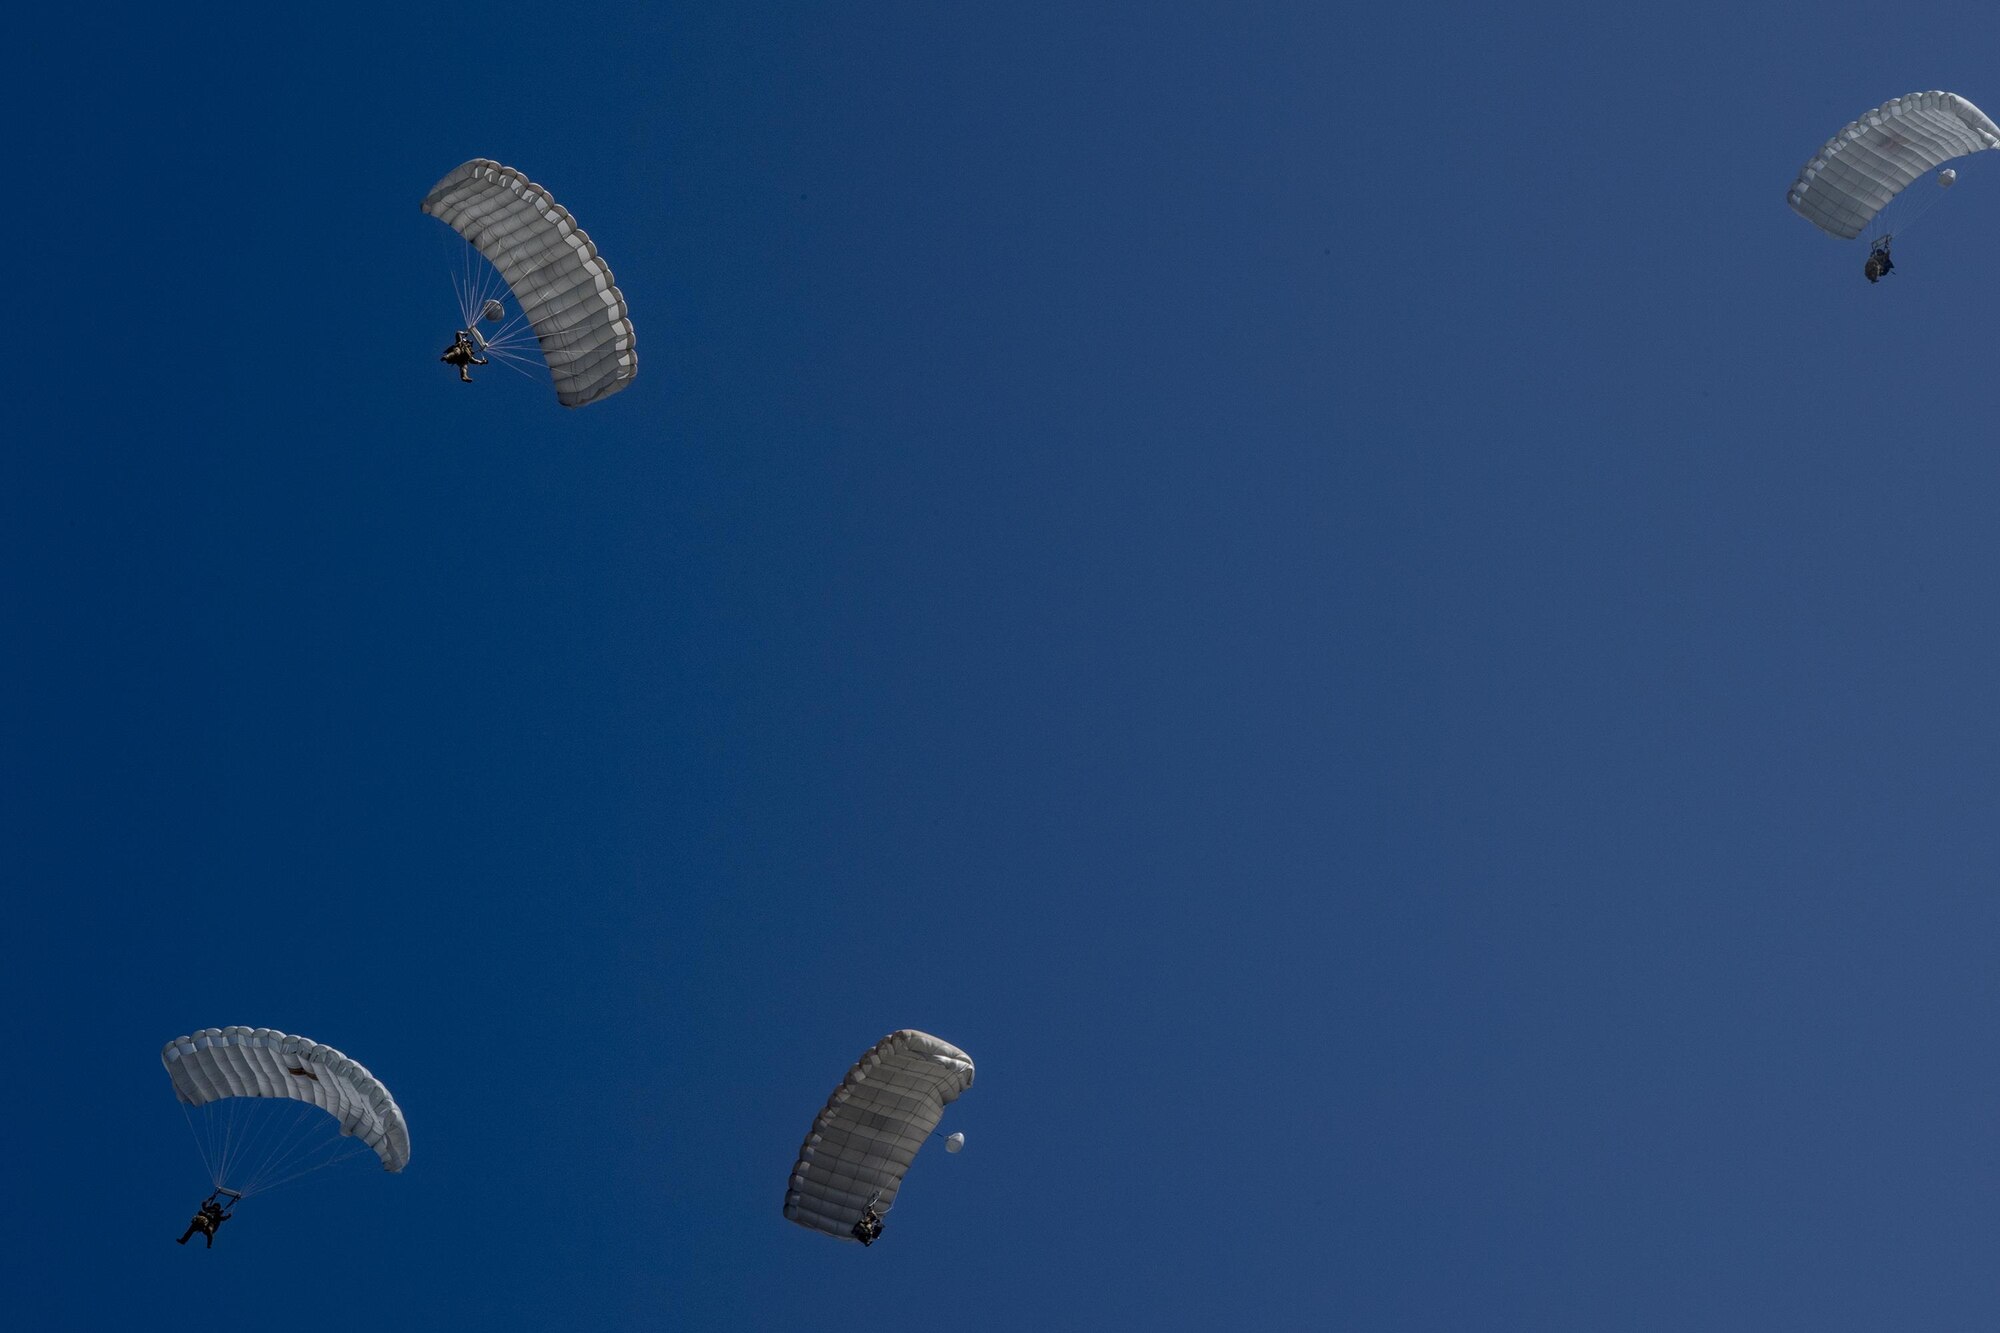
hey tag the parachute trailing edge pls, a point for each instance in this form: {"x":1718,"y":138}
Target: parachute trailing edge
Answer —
{"x":1858,"y":171}
{"x":860,"y":1146}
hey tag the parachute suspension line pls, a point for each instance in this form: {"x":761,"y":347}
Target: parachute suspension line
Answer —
{"x":467,"y":287}
{"x":470,"y":278}
{"x":225,"y":1116}
{"x":452,"y":267}
{"x":468,"y":292}
{"x":286,"y":1144}
{"x":304,"y":1140}
{"x":265,"y":1139}
{"x":520,"y":365}
{"x":513,"y":345}
{"x":483,"y":283}
{"x":351,"y":1151}
{"x":517,"y":346}
{"x":1902,"y":213}
{"x":473,"y":283}
{"x":272,"y":1148}
{"x":202,"y":1144}
{"x":514,"y":331}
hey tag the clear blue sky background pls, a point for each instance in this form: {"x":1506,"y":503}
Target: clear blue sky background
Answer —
{"x":1342,"y":596}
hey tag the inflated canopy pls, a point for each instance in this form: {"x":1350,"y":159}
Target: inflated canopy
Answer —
{"x":1860,"y":169}
{"x":562,"y":284}
{"x":218,"y":1063}
{"x":869,"y":1133}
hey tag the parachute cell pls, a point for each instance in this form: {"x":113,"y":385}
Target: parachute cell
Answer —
{"x":1858,"y":171}
{"x":563,"y":286}
{"x":861,"y":1145}
{"x":218,"y":1070}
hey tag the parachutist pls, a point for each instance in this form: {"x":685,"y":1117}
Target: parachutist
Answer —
{"x":464,"y":355}
{"x":869,"y":1227}
{"x":207,"y":1220}
{"x":1879,"y":265}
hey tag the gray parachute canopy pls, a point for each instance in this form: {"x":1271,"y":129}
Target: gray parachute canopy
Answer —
{"x":218,"y":1063}
{"x":562,"y":284}
{"x":869,"y":1133}
{"x":1859,"y":170}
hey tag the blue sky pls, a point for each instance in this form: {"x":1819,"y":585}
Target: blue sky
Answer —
{"x":1347,"y":601}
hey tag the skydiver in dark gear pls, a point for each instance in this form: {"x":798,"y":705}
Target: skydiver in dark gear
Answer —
{"x":1879,"y":265}
{"x":869,"y":1227}
{"x":207,"y":1220}
{"x":463,"y":354}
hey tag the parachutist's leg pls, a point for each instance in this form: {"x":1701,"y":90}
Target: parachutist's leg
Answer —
{"x":192,"y":1228}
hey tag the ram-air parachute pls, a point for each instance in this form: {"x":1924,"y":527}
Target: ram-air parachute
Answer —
{"x":566,"y":295}
{"x":1876,"y":176}
{"x":852,"y":1162}
{"x":266,"y":1107}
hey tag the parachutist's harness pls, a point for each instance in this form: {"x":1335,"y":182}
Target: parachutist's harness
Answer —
{"x":1879,"y":265}
{"x":210,"y":1215}
{"x":464,"y":353}
{"x":870,"y":1225}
